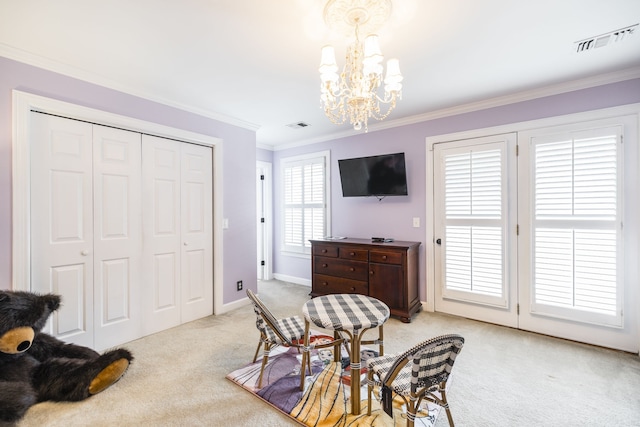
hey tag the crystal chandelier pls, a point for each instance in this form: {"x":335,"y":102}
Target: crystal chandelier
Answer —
{"x":354,"y":92}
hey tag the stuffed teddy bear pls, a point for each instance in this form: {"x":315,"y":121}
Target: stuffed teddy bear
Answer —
{"x":35,"y":367}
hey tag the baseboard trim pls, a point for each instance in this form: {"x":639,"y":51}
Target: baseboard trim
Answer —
{"x":292,"y":279}
{"x":233,"y":305}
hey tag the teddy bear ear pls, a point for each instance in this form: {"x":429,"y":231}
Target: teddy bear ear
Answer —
{"x":52,"y":301}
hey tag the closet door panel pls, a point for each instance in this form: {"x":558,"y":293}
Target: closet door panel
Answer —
{"x":117,"y":231}
{"x":197,"y":232}
{"x":161,"y":200}
{"x":62,"y":222}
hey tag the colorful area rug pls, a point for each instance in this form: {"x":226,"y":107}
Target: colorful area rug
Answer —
{"x":325,"y":401}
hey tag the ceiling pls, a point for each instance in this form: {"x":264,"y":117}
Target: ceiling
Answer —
{"x":254,"y":63}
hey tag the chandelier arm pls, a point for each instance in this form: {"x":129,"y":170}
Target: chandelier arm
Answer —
{"x":392,"y":106}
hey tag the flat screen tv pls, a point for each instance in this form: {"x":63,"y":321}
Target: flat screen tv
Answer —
{"x":383,"y":175}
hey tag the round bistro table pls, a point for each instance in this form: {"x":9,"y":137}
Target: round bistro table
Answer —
{"x":353,"y":315}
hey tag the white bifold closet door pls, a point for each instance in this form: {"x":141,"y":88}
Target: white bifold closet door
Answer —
{"x":85,"y":228}
{"x":178,"y":229}
{"x":121,"y":228}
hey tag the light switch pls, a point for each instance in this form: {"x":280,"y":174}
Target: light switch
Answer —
{"x":416,"y":222}
{"x":225,"y":223}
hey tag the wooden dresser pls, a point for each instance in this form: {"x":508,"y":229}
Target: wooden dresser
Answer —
{"x":386,"y":271}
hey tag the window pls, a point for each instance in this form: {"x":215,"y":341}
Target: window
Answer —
{"x":305,"y":183}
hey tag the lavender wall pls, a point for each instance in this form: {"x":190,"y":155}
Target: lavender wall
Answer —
{"x":238,"y":150}
{"x":392,"y":217}
{"x":263,"y":155}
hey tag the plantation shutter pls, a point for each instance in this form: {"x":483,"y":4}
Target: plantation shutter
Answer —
{"x":576,"y":233}
{"x":305,"y":212}
{"x":474,"y":223}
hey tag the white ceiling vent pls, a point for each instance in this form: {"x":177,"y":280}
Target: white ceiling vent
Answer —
{"x":606,"y":39}
{"x":298,"y":125}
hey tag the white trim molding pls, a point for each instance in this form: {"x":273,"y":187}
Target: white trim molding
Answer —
{"x":57,"y":67}
{"x":292,"y":279}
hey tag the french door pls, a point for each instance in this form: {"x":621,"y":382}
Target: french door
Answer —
{"x":574,"y":262}
{"x":474,"y":220}
{"x":536,"y":230}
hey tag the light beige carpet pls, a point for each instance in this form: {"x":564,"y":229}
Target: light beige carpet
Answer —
{"x":503,"y":377}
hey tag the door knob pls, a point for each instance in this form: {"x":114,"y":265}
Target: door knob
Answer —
{"x":84,"y":252}
{"x":439,"y":241}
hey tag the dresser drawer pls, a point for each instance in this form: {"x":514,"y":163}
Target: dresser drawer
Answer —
{"x":356,"y":270}
{"x":326,"y":250}
{"x":386,"y":257}
{"x":323,"y":285}
{"x":354,"y":254}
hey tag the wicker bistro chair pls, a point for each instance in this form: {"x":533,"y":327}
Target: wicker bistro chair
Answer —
{"x":415,"y":375}
{"x":289,"y":332}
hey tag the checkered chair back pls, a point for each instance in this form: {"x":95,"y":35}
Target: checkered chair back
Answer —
{"x":431,"y":363}
{"x":283,"y":331}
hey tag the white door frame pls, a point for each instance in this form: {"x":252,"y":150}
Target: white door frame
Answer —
{"x":267,"y":228}
{"x":23,"y":104}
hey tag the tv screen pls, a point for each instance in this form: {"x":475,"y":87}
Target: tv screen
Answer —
{"x":383,"y":175}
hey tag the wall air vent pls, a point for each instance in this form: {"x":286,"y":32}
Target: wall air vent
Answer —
{"x":298,"y":125}
{"x":606,"y":39}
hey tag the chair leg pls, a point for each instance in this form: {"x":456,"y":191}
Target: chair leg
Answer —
{"x":306,"y":356}
{"x":445,"y":404}
{"x":306,"y":361}
{"x":255,"y":357}
{"x":265,"y":358}
{"x":412,"y":410}
{"x":369,"y":391}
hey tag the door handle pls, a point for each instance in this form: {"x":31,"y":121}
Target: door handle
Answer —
{"x":439,"y":241}
{"x":84,"y":252}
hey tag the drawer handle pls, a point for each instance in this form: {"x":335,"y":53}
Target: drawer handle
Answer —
{"x":352,"y":254}
{"x":325,"y":284}
{"x":371,"y":273}
{"x":384,"y":257}
{"x":353,"y":289}
{"x":352,"y":269}
{"x":324,"y":251}
{"x":324,"y":266}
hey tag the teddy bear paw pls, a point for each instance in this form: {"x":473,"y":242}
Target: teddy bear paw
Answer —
{"x":110,"y":374}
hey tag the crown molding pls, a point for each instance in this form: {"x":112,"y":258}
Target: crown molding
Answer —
{"x":556,"y":89}
{"x":52,"y":65}
{"x":528,"y":95}
{"x":550,"y":90}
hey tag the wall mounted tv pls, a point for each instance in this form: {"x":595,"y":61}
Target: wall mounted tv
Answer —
{"x":380,"y":176}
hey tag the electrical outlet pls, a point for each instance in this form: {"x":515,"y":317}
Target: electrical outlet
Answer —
{"x":239,"y":285}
